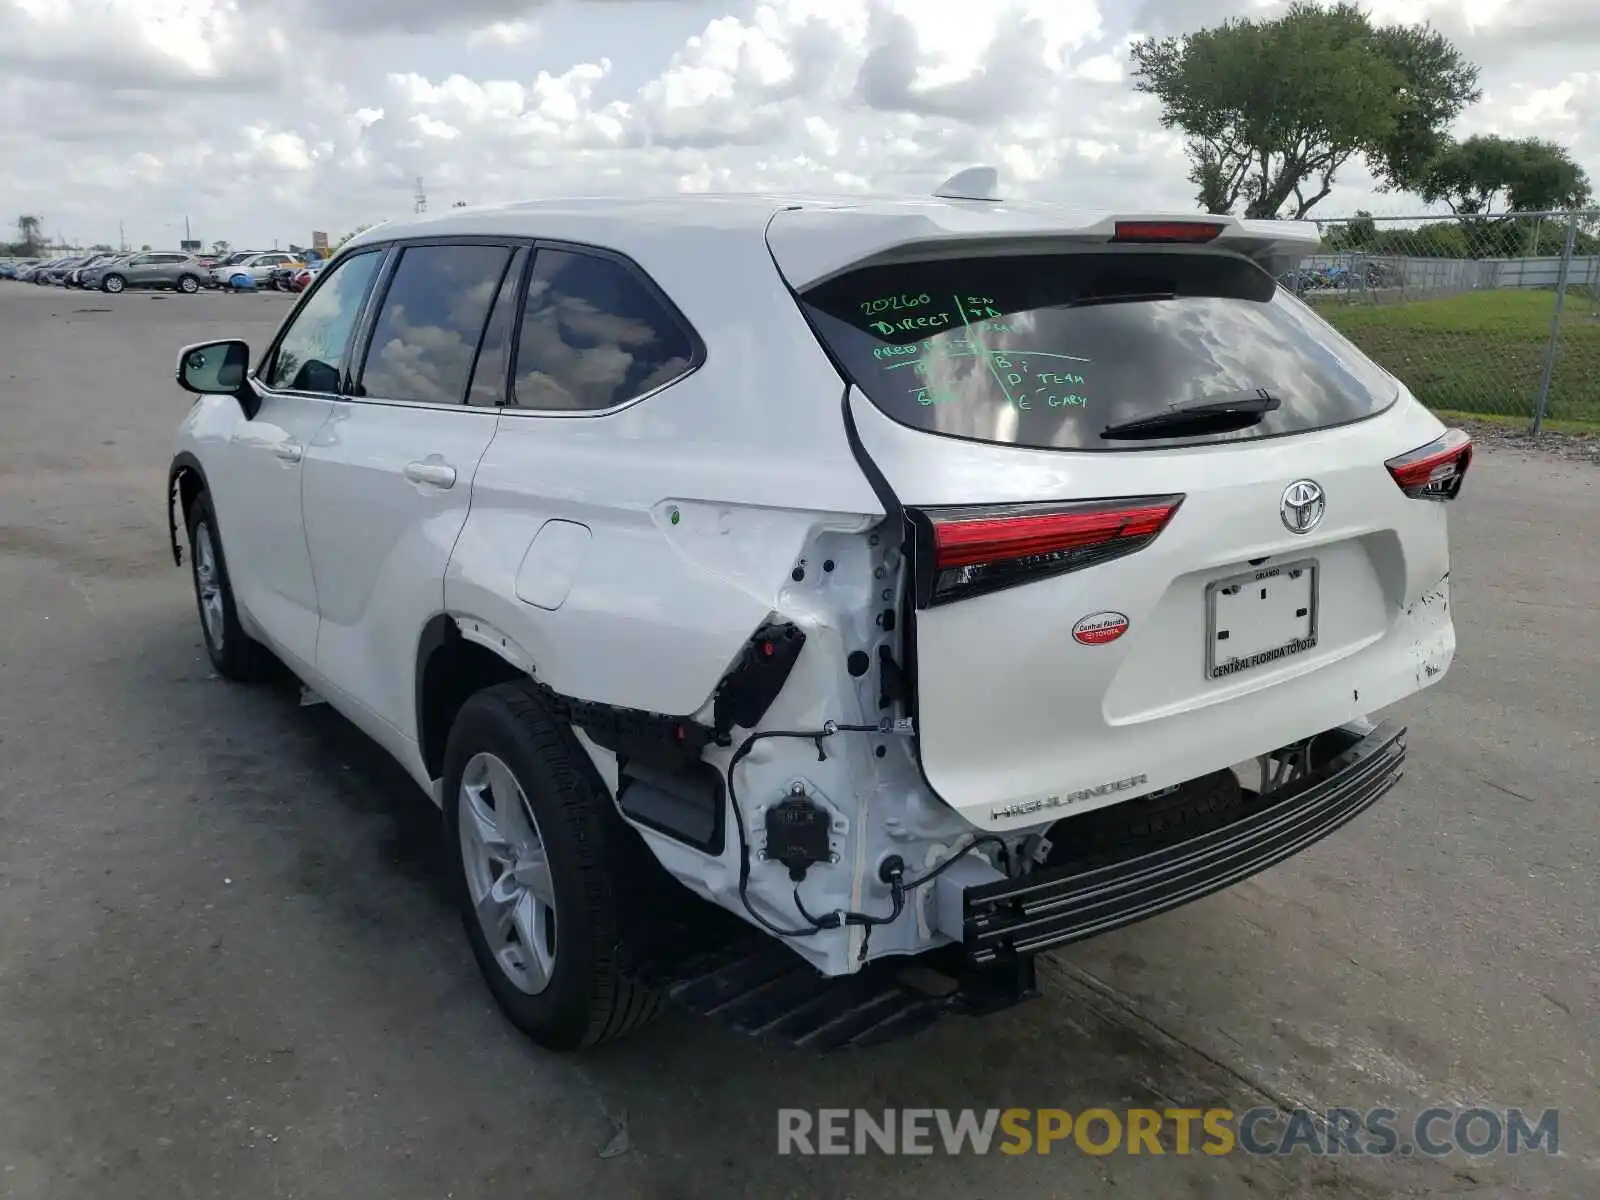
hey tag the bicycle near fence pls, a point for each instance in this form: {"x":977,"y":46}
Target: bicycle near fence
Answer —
{"x":1496,"y":316}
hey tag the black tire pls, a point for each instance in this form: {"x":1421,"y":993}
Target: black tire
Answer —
{"x":232,"y":651}
{"x":113,"y":284}
{"x":188,"y":284}
{"x":589,"y":996}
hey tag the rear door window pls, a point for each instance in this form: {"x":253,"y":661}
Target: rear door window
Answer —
{"x":1048,"y":351}
{"x":426,"y":336}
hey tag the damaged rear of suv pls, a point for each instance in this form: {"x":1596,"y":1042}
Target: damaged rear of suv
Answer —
{"x":930,"y":584}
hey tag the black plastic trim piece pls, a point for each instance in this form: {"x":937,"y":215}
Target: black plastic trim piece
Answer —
{"x":754,"y":682}
{"x":655,"y":739}
{"x":1056,"y":906}
{"x":687,"y":805}
{"x":181,"y":462}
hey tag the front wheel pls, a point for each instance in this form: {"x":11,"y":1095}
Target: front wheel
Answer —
{"x":233,"y":653}
{"x":539,"y":873}
{"x":188,"y":285}
{"x":113,"y":284}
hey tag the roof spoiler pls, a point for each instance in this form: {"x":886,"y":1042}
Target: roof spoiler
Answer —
{"x":1276,"y":245}
{"x":811,"y":246}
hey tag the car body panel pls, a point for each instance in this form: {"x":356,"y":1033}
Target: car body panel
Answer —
{"x":379,"y":541}
{"x":255,"y":481}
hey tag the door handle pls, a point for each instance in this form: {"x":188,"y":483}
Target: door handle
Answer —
{"x":289,"y":451}
{"x":437,"y":474}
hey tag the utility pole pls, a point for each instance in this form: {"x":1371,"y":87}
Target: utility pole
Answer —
{"x":421,"y":197}
{"x":187,"y":236}
{"x":122,"y":236}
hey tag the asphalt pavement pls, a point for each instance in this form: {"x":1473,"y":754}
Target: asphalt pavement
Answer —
{"x":227,"y":967}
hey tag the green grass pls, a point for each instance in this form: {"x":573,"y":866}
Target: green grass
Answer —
{"x":1482,"y":353}
{"x":1569,"y":425}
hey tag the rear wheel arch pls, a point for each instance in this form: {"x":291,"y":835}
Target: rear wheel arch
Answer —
{"x":450,"y":670}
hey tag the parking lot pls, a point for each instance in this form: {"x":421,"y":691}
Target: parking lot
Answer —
{"x":227,"y":967}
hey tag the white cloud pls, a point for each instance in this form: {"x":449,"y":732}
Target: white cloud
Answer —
{"x":503,"y":34}
{"x":268,"y":118}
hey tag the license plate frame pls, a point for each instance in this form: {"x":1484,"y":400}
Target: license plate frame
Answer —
{"x":1219,"y":668}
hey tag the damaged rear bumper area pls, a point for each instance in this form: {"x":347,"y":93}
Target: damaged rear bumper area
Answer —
{"x":1053,"y":906}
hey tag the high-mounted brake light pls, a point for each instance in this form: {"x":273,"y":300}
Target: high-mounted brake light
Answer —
{"x":968,"y":551}
{"x":1166,"y":231}
{"x":1435,"y":471}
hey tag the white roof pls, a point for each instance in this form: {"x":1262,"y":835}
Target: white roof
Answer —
{"x":816,"y":236}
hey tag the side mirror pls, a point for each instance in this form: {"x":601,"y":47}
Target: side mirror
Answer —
{"x":216,"y":369}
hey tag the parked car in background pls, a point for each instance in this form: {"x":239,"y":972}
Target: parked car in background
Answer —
{"x":55,"y":270}
{"x":221,"y":269}
{"x":73,"y":278}
{"x":260,"y":267}
{"x":303,"y":278}
{"x":8,"y":270}
{"x":29,"y":273}
{"x":89,"y":277}
{"x":153,"y":269}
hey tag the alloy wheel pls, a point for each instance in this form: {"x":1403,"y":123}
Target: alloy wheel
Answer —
{"x":508,"y":873}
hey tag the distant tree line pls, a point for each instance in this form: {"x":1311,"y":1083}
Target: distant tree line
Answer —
{"x":1510,"y":235}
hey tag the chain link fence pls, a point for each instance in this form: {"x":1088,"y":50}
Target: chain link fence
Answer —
{"x":1496,"y":316}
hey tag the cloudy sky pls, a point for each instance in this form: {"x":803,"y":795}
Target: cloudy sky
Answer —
{"x":266,"y":119}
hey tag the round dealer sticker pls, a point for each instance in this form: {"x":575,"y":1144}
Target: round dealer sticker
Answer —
{"x":1099,"y":628}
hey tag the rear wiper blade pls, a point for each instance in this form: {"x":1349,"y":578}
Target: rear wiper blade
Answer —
{"x":1214,"y":414}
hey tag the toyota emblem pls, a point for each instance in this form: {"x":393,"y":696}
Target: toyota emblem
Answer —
{"x":1302,"y":505}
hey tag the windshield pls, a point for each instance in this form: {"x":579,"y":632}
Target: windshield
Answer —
{"x":1048,"y":351}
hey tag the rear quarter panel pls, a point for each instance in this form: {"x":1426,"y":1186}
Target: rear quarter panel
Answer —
{"x":750,"y":453}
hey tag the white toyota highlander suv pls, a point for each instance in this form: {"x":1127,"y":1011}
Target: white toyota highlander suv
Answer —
{"x":917,"y":582}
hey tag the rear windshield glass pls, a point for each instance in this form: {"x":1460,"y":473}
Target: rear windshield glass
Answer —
{"x":1050,"y":350}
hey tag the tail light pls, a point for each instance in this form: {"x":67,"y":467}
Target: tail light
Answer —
{"x":1166,"y":231}
{"x":1435,"y":471}
{"x":964,"y":552}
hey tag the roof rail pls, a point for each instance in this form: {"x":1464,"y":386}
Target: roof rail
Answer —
{"x":975,"y":183}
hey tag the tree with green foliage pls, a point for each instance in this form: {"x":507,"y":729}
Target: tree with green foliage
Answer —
{"x":1361,"y":229}
{"x":1437,"y":85}
{"x":30,"y":242}
{"x":1490,"y":176}
{"x":1272,"y":109}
